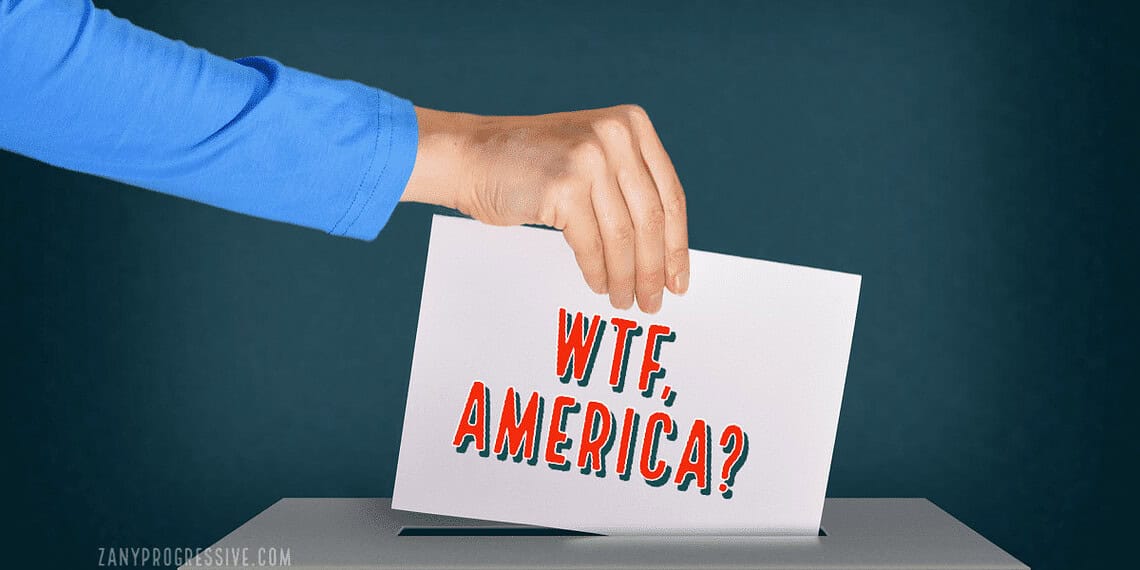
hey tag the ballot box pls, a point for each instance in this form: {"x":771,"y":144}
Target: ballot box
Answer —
{"x":369,"y":534}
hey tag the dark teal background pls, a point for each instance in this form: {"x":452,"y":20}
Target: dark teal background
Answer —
{"x":170,"y":369}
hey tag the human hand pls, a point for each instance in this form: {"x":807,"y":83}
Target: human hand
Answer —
{"x":601,"y":176}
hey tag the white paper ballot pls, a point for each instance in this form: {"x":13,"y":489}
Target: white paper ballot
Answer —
{"x":533,"y":401}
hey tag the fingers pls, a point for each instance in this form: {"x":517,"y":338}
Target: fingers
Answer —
{"x":617,"y":241}
{"x":614,"y":226}
{"x":585,"y":239}
{"x":645,"y":211}
{"x":624,"y":215}
{"x":672,"y":198}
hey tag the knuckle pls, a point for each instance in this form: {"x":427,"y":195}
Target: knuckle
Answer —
{"x":653,"y":222}
{"x":651,"y":273}
{"x":613,"y":129}
{"x":677,"y":258}
{"x":674,"y":202}
{"x":591,"y":248}
{"x":622,"y":284}
{"x":622,"y":234}
{"x":589,"y":153}
{"x":635,"y":112}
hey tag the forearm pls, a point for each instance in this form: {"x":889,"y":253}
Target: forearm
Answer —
{"x":442,"y":158}
{"x":87,"y":91}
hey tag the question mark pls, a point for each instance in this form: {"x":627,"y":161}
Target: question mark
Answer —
{"x":735,"y":443}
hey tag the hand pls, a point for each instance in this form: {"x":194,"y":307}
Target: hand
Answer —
{"x":601,"y":176}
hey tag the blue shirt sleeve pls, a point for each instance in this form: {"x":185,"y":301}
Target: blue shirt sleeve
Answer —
{"x":85,"y":90}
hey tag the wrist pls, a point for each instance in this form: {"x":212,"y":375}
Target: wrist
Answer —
{"x":443,"y":166}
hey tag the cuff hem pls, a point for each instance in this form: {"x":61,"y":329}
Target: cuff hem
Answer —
{"x":397,"y":134}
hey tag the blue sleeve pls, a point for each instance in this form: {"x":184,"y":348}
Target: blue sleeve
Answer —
{"x":84,"y":90}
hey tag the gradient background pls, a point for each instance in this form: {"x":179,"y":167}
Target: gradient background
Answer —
{"x":170,"y":369}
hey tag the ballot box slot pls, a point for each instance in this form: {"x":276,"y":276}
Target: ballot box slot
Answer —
{"x":499,"y":531}
{"x":488,"y":531}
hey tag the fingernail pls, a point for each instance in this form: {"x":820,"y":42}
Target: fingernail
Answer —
{"x":681,"y":282}
{"x":622,"y":302}
{"x":653,"y":304}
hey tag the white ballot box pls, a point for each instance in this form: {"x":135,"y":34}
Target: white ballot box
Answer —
{"x":369,"y":534}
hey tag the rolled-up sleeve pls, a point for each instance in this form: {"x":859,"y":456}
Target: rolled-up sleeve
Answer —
{"x":87,"y":91}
